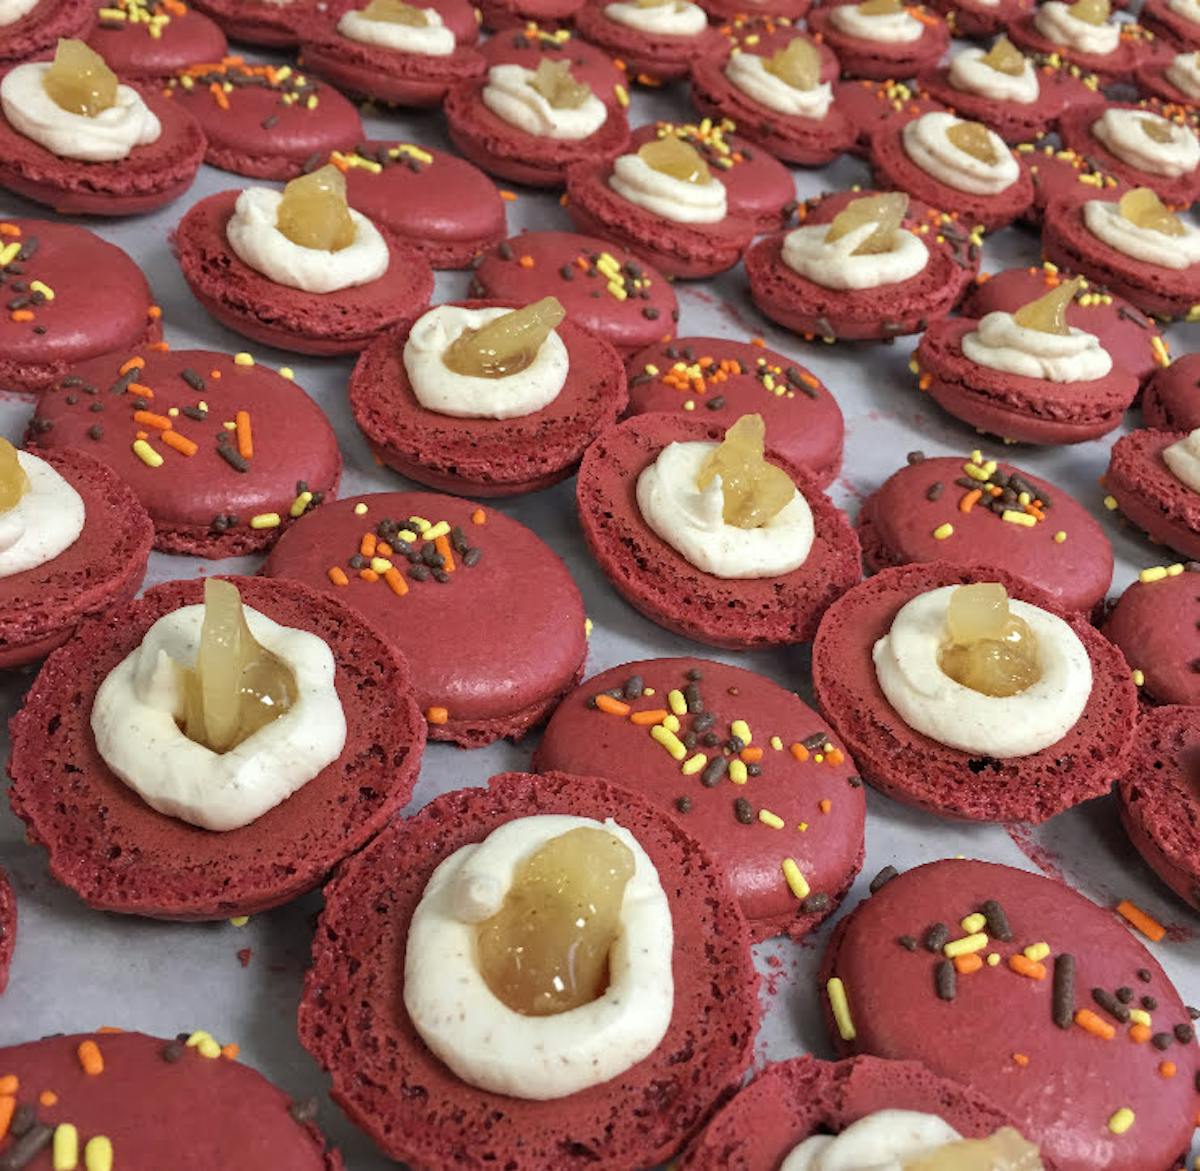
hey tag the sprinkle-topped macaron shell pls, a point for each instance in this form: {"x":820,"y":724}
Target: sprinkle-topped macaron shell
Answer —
{"x":880,"y":60}
{"x":149,"y":40}
{"x":1052,"y":1040}
{"x":1149,"y":495}
{"x":789,"y":792}
{"x":1136,"y":44}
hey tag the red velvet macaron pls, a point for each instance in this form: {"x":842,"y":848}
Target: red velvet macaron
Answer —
{"x":1061,"y":175}
{"x":1153,"y":80}
{"x":652,"y":57}
{"x":1150,"y":495}
{"x":1174,"y":27}
{"x":41,"y":28}
{"x":271,"y":24}
{"x":1133,"y":47}
{"x":169,"y":37}
{"x":1172,"y":398}
{"x":979,"y":19}
{"x":501,"y":15}
{"x":882,"y":59}
{"x":529,"y":44}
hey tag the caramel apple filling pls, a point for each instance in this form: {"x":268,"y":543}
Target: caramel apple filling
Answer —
{"x":886,"y":212}
{"x":989,"y":649}
{"x":506,"y":345}
{"x":14,"y":483}
{"x":80,"y":81}
{"x":754,"y":490}
{"x":314,"y":212}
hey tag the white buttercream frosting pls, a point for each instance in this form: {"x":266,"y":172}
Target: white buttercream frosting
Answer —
{"x":45,"y":522}
{"x":675,"y":18}
{"x":12,"y":10}
{"x":1055,"y":21}
{"x":491,"y":1046}
{"x":929,"y":701}
{"x":463,"y":396}
{"x":834,"y":266}
{"x":879,"y":1142}
{"x":634,"y":179}
{"x":1123,"y":133}
{"x":926,"y":143}
{"x":692,"y":521}
{"x":1188,"y":9}
{"x":1183,"y":459}
{"x":138,"y":705}
{"x":1105,"y":221}
{"x":968,"y":72}
{"x":253,"y":235}
{"x":433,"y":39}
{"x":1001,"y":344}
{"x":107,"y":138}
{"x":510,"y":95}
{"x":748,"y":72}
{"x":889,"y":28}
{"x":1184,"y":73}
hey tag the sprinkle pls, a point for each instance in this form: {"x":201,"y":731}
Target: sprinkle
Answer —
{"x":974,"y":923}
{"x":1151,"y":928}
{"x":1092,"y":1023}
{"x":1121,"y":1121}
{"x":664,"y":736}
{"x":478,"y":517}
{"x":508,"y":196}
{"x":1110,"y":502}
{"x":360,"y":509}
{"x":266,"y":520}
{"x":1138,"y":677}
{"x":1139,"y":1016}
{"x":614,"y":707}
{"x":977,"y":941}
{"x":824,"y":805}
{"x":243,"y":359}
{"x":1023,"y":966}
{"x":1059,"y":537}
{"x":437,"y":715}
{"x":693,"y":764}
{"x":1152,"y":574}
{"x":1036,"y":952}
{"x":839,"y":1005}
{"x":65,"y":1147}
{"x":993,"y":960}
{"x":799,"y":752}
{"x":245,"y":439}
{"x":997,"y":921}
{"x":943,"y":531}
{"x":179,"y":443}
{"x":300,"y":505}
{"x":738,"y":773}
{"x":676,"y":702}
{"x":147,"y":454}
{"x":777,"y":743}
{"x":966,"y":965}
{"x":796,"y":881}
{"x":1063,"y":996}
{"x":946,"y":980}
{"x":288,"y":373}
{"x":771,"y":819}
{"x":741,"y":730}
{"x":394,"y":580}
{"x":1167,"y":1069}
{"x":882,"y":879}
{"x":90,"y":1058}
{"x":671,"y":722}
{"x":1019,"y":518}
{"x":1020,"y":1059}
{"x":649,"y":716}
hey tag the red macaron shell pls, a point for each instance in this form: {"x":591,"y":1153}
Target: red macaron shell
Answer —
{"x":41,"y":27}
{"x":790,"y":1101}
{"x":1160,"y":805}
{"x":872,"y":105}
{"x":507,"y":152}
{"x":501,"y":15}
{"x":656,"y":57}
{"x":272,"y":24}
{"x":187,"y":37}
{"x":1165,"y":292}
{"x":101,"y":303}
{"x":655,"y":579}
{"x":41,"y":607}
{"x":529,"y":45}
{"x":1061,"y":175}
{"x":897,"y":521}
{"x":289,"y":438}
{"x":723,"y":10}
{"x":1013,"y":406}
{"x":252,"y":131}
{"x":118,"y":854}
{"x":636,"y":308}
{"x":1108,"y":67}
{"x":880,"y":60}
{"x":1153,"y":82}
{"x":724,"y":816}
{"x":353,"y":1021}
{"x":162,"y":1104}
{"x":147,"y":178}
{"x":241,"y":298}
{"x":8,"y":928}
{"x":1172,"y":26}
{"x":495,"y":646}
{"x":917,"y":770}
{"x":1172,"y":398}
{"x":1072,"y":1081}
{"x":487,"y":457}
{"x":459,"y":16}
{"x":977,"y":19}
{"x":685,"y":250}
{"x":804,"y":422}
{"x":1149,"y":494}
{"x":1124,"y":331}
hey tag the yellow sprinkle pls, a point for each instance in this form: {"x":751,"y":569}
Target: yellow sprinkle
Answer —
{"x":1059,"y":537}
{"x":360,"y":509}
{"x":741,"y":730}
{"x":265,"y":520}
{"x":441,"y":529}
{"x":803,"y":827}
{"x":993,"y":959}
{"x":41,"y":287}
{"x":649,"y":691}
{"x":975,"y":471}
{"x":1175,"y":570}
{"x":839,"y":1004}
{"x":652,"y":370}
{"x":690,"y":405}
{"x":1139,"y":1016}
{"x":243,"y":359}
{"x":1161,"y":354}
{"x":9,"y":253}
{"x":300,"y":504}
{"x":1152,"y":574}
{"x":1018,"y":518}
{"x":199,"y":1035}
{"x":737,"y":772}
{"x":588,"y":627}
{"x":287,"y":372}
{"x":422,"y":524}
{"x":407,"y":535}
{"x":676,"y":702}
{"x":380,"y":564}
{"x":209,"y":1048}
{"x":147,"y":454}
{"x":65,"y":1148}
{"x":943,"y":531}
{"x":98,"y":1154}
{"x":973,"y":923}
{"x":671,"y":723}
{"x":1121,"y":1121}
{"x":1139,"y":679}
{"x":693,"y":764}
{"x":965,"y":946}
{"x":622,"y":95}
{"x":669,"y":741}
{"x":771,"y":819}
{"x":1110,"y":502}
{"x":1036,"y":952}
{"x":617,"y":289}
{"x":796,"y":881}
{"x":240,"y":920}
{"x":777,"y":743}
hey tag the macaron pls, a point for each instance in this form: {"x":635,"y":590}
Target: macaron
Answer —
{"x":98,"y":302}
{"x":1017,"y":407}
{"x":265,"y":121}
{"x":790,"y":1101}
{"x":100,"y":571}
{"x":1172,"y":398}
{"x":1061,"y":175}
{"x":1171,"y":22}
{"x":667,"y":588}
{"x":804,"y":799}
{"x":977,"y":19}
{"x":8,"y":928}
{"x":265,"y":23}
{"x":212,"y":490}
{"x":480,"y":455}
{"x":889,"y":56}
{"x":415,"y":1108}
{"x":635,"y":306}
{"x":746,"y":10}
{"x":1061,"y":549}
{"x":91,"y":823}
{"x":480,"y":679}
{"x":1157,"y":799}
{"x":884,"y":311}
{"x":722,"y":380}
{"x":1156,"y":78}
{"x":871,"y":105}
{"x":154,"y":1103}
{"x":916,"y":769}
{"x":1133,"y":47}
{"x":150,"y":40}
{"x":1150,"y":495}
{"x":1134,"y":340}
{"x":40,"y":29}
{"x":548,"y":15}
{"x":1051,"y":1026}
{"x":250,"y":303}
{"x":529,"y":44}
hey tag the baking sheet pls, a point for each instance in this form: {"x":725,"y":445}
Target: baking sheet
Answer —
{"x":76,"y":969}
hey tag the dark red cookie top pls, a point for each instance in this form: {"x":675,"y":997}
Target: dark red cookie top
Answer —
{"x":184,"y":37}
{"x":721,"y":380}
{"x":1059,"y":174}
{"x":8,"y":927}
{"x":1174,"y":27}
{"x":41,"y":27}
{"x":193,"y":470}
{"x":921,"y":771}
{"x":1152,"y":496}
{"x":869,"y":104}
{"x":1064,"y":1083}
{"x":909,"y":55}
{"x":790,"y":1101}
{"x":1153,"y":81}
{"x":529,"y":45}
{"x":1172,"y":398}
{"x":265,"y":22}
{"x":803,"y":801}
{"x":415,"y":1109}
{"x":161,"y":1104}
{"x":93,"y":824}
{"x":1064,"y":552}
{"x":1132,"y":48}
{"x":509,"y":620}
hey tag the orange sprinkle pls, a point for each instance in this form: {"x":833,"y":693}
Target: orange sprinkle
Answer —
{"x":231,"y":1051}
{"x":799,"y":752}
{"x":180,"y":443}
{"x":48,"y":1098}
{"x":442,"y":545}
{"x":160,"y":347}
{"x":368,"y":575}
{"x":437,"y":715}
{"x":22,"y":315}
{"x":9,"y":230}
{"x":508,"y":196}
{"x":810,"y":380}
{"x":111,"y":1029}
{"x":824,"y":805}
{"x":479,"y":517}
{"x":925,"y":382}
{"x":526,"y":262}
{"x":614,"y":707}
{"x":90,"y":1058}
{"x":131,"y":364}
{"x":835,"y":756}
{"x":395,"y":581}
{"x":1139,"y":1034}
{"x":751,"y":755}
{"x":368,"y":545}
{"x":219,"y":96}
{"x":337,"y":575}
{"x":965,"y":965}
{"x":654,"y":715}
{"x":971,"y":499}
{"x":154,"y":312}
{"x":1024,"y":966}
{"x":214,"y":374}
{"x":9,"y":1084}
{"x":1167,"y":1069}
{"x":150,"y":419}
{"x":761,"y":342}
{"x":1150,"y":927}
{"x":1089,"y":1022}
{"x":245,"y":437}
{"x":139,"y":390}
{"x":1021,"y":1059}
{"x":8,"y":1105}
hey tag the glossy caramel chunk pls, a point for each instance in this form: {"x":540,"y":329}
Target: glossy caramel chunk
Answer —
{"x":1158,"y":130}
{"x":886,"y":212}
{"x":554,"y":82}
{"x":79,"y":80}
{"x":546,"y":950}
{"x":880,"y":7}
{"x":237,"y":686}
{"x":798,"y":64}
{"x":1142,"y":207}
{"x":14,"y":483}
{"x":1005,"y":57}
{"x":754,"y":490}
{"x":314,"y":213}
{"x":676,"y":158}
{"x":1091,"y":11}
{"x":1005,"y":1150}
{"x":1048,"y":314}
{"x":975,"y":139}
{"x":989,"y":649}
{"x":507,"y":345}
{"x":396,"y":12}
